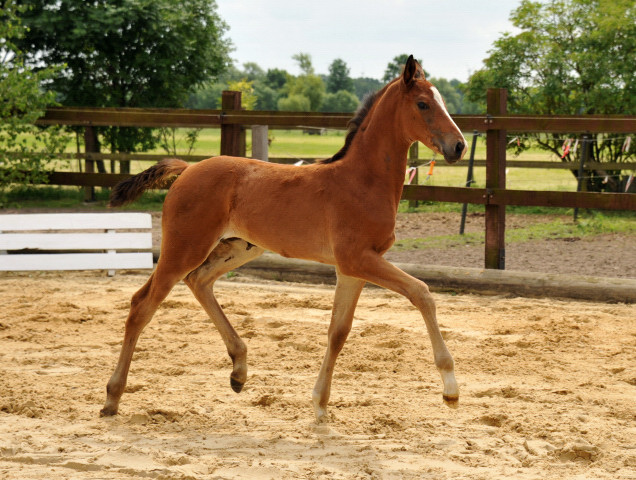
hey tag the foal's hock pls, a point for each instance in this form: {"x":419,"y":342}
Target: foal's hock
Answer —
{"x":225,"y":211}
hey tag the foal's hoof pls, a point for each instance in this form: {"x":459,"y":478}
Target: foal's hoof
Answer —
{"x":451,"y":401}
{"x":236,"y":385}
{"x":107,"y":412}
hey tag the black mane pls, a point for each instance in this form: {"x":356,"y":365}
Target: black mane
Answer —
{"x":354,"y":125}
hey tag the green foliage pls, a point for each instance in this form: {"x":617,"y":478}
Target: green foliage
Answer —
{"x":311,"y":87}
{"x":308,"y":85}
{"x":363,"y":86}
{"x":341,"y":101}
{"x":395,"y":66}
{"x":22,"y":102}
{"x":276,"y":78}
{"x":570,"y":57}
{"x":339,"y":78}
{"x":248,"y":99}
{"x":173,"y":140}
{"x":207,"y":96}
{"x":304,"y":62}
{"x":294,"y":103}
{"x":253,"y":71}
{"x":275,"y":87}
{"x":128,"y":53}
{"x":266,"y":97}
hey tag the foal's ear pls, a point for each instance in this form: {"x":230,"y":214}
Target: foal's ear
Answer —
{"x":412,"y":70}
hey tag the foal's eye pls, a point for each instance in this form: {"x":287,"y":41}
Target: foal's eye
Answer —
{"x":422,"y":106}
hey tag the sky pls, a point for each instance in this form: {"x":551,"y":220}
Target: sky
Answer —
{"x":450,"y":37}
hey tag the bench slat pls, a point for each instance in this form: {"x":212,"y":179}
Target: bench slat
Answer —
{"x":75,"y":261}
{"x":76,"y":241}
{"x":74,"y":221}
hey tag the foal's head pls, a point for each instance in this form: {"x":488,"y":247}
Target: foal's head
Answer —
{"x":425,"y":116}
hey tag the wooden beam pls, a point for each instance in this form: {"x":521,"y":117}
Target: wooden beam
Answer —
{"x":445,"y":194}
{"x":601,"y":201}
{"x":158,"y":117}
{"x":86,"y":179}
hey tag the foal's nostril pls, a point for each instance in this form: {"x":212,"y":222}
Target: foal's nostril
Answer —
{"x":459,"y":148}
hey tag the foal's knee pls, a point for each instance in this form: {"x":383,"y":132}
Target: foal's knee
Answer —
{"x":420,"y":296}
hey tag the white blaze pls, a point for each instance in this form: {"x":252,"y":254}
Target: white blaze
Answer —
{"x":438,"y":98}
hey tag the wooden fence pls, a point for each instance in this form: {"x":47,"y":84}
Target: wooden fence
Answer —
{"x":495,"y":123}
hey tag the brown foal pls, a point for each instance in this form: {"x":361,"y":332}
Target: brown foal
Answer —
{"x":224,"y":211}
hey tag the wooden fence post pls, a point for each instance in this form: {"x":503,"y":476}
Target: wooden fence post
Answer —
{"x":495,"y":254}
{"x":91,"y":145}
{"x":232,"y":135}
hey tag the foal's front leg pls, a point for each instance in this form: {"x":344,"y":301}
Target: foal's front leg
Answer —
{"x":346,"y":298}
{"x":375,"y":269}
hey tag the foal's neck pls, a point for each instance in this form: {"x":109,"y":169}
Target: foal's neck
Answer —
{"x":381,"y":149}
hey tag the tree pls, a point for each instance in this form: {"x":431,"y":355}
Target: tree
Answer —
{"x":308,"y":85}
{"x":126,"y":53}
{"x":294,"y":103}
{"x":248,"y":98}
{"x":207,"y":96}
{"x":570,"y":57}
{"x":341,"y":101}
{"x":394,"y":67}
{"x":311,"y":87}
{"x":253,"y":71}
{"x":276,"y":78}
{"x":365,"y":85}
{"x":266,"y":97}
{"x":339,"y":78}
{"x":304,"y":62}
{"x":22,"y":102}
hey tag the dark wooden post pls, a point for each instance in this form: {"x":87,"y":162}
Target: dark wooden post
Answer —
{"x":469,"y":180}
{"x":91,"y":145}
{"x":412,"y":162}
{"x":495,"y":255}
{"x":232,"y":135}
{"x":585,"y":156}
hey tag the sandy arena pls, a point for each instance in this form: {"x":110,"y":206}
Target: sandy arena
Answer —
{"x":548,"y":387}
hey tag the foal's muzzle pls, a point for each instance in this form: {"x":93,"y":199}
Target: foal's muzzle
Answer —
{"x":454,"y":151}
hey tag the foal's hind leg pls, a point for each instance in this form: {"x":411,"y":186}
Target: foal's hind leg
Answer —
{"x":228,"y":255}
{"x":346,"y":298}
{"x":143,"y":306}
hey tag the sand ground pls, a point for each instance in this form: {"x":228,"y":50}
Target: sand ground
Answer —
{"x":548,"y":386}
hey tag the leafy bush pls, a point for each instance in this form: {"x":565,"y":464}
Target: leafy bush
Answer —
{"x":22,"y":102}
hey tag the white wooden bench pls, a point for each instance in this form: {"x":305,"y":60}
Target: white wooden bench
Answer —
{"x":75,"y":241}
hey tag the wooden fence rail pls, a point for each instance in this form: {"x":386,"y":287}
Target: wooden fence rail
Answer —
{"x":540,"y":164}
{"x":157,"y":117}
{"x":496,"y":124}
